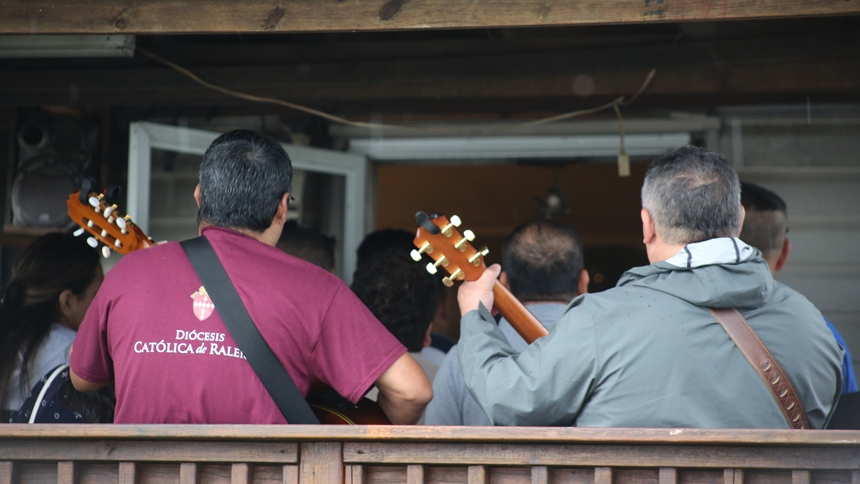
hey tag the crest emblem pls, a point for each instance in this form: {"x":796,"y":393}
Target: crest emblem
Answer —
{"x":203,"y":307}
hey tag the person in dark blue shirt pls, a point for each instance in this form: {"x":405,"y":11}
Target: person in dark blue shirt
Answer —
{"x":766,"y":228}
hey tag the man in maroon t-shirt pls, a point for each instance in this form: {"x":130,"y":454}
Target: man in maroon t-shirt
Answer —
{"x":154,"y":332}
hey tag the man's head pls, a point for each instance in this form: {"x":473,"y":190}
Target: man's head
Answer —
{"x":766,"y":224}
{"x":689,"y":195}
{"x":542,"y":261}
{"x":383,"y":240}
{"x":400,"y":293}
{"x":244,"y":178}
{"x":307,"y":244}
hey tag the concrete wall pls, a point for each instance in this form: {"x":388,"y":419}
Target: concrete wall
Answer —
{"x":816,"y":168}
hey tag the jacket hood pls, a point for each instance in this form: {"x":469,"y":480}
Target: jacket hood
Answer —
{"x":711,"y":275}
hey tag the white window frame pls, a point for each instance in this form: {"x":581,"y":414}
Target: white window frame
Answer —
{"x":146,"y":136}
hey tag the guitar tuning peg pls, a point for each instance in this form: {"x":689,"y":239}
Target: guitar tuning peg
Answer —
{"x":447,"y":281}
{"x":454,"y":221}
{"x":431,"y":268}
{"x":425,"y":248}
{"x":79,"y":232}
{"x":108,"y":211}
{"x":416,"y":256}
{"x":485,"y":251}
{"x":105,"y":251}
{"x":92,"y":242}
{"x":469,"y":235}
{"x":118,"y":244}
{"x":95,"y":203}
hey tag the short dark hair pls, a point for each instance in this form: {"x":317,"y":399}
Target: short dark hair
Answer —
{"x":384,"y":240}
{"x":400,"y":293}
{"x":243,"y":176}
{"x":766,"y":223}
{"x":543,"y":260}
{"x":692,"y":195}
{"x":307,"y":244}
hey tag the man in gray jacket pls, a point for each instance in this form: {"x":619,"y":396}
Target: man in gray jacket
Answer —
{"x":544,"y":269}
{"x":648,"y":353}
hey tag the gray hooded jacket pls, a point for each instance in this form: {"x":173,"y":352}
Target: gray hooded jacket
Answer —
{"x":647,"y":353}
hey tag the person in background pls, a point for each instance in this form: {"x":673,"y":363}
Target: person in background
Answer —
{"x":402,"y":295}
{"x":766,"y":229}
{"x":648,"y":352}
{"x":307,"y":244}
{"x":52,"y":285}
{"x":544,"y":269}
{"x":386,"y":239}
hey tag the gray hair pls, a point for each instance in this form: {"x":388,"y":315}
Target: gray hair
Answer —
{"x":692,"y":195}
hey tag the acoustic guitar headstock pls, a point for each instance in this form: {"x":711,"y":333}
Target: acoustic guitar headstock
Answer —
{"x":438,"y":238}
{"x":95,"y":215}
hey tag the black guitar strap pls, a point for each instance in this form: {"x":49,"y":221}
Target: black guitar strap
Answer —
{"x":241,"y":327}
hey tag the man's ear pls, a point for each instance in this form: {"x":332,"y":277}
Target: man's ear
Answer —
{"x":743,"y":216}
{"x":648,"y":231}
{"x":783,"y":256}
{"x":281,"y":214}
{"x":582,"y":286}
{"x":503,"y":278}
{"x":197,"y":195}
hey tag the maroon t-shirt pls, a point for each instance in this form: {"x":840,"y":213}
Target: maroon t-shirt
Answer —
{"x":153,"y":331}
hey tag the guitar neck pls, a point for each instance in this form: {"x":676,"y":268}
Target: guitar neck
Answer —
{"x":515,"y":313}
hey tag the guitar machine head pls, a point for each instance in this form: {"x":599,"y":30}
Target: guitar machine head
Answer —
{"x":94,"y":214}
{"x":438,"y":238}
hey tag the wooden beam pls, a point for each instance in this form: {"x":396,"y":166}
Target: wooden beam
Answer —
{"x":249,"y":16}
{"x":758,"y":82}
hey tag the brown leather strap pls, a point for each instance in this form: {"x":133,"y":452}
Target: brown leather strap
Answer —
{"x":755,"y":351}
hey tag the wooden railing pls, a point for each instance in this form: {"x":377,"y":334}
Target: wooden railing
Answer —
{"x":190,"y":454}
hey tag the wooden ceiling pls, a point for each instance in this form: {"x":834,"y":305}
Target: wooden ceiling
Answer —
{"x":423,"y":68}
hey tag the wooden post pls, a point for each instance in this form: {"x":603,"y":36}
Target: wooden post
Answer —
{"x":540,"y":475}
{"x":7,"y":472}
{"x":602,"y":475}
{"x":66,"y":472}
{"x":128,"y":473}
{"x":240,"y":474}
{"x":291,"y":475}
{"x":733,"y":476}
{"x":415,"y":474}
{"x":668,"y":475}
{"x":478,"y":475}
{"x":321,"y":463}
{"x":188,"y":473}
{"x":801,"y":477}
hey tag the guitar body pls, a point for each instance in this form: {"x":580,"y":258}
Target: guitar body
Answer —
{"x":332,"y":409}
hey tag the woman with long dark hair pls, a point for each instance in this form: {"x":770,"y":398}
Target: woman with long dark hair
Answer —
{"x":53,"y":283}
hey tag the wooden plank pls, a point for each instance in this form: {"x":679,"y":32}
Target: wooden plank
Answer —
{"x":32,"y":437}
{"x":138,"y":450}
{"x":66,"y":472}
{"x":683,"y":69}
{"x":478,"y":475}
{"x":688,"y":456}
{"x":668,"y":475}
{"x":291,"y":475}
{"x":7,"y":472}
{"x":733,"y":476}
{"x":188,"y":473}
{"x":322,"y":462}
{"x":240,"y":474}
{"x":801,"y":477}
{"x":602,"y":475}
{"x":414,"y":474}
{"x":128,"y":473}
{"x":249,"y":16}
{"x":540,"y":475}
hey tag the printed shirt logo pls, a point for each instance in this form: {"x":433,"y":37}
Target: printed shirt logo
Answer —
{"x":203,"y":307}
